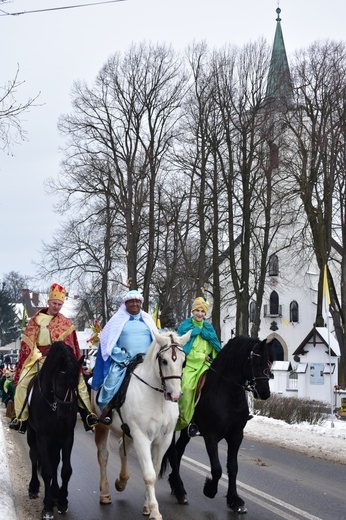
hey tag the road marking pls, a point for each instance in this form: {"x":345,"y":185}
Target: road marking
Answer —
{"x":197,"y":467}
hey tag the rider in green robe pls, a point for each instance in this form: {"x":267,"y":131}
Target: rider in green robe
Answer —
{"x":200,"y":350}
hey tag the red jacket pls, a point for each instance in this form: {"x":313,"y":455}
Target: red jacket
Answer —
{"x":60,"y":329}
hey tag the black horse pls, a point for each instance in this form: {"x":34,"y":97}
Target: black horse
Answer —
{"x":222,"y":412}
{"x":52,"y":418}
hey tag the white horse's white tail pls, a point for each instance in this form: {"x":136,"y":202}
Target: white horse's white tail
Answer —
{"x":150,"y":413}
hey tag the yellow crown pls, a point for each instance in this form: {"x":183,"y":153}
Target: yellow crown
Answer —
{"x":57,"y":292}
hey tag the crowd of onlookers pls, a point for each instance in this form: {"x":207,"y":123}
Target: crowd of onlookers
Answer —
{"x":7,"y":388}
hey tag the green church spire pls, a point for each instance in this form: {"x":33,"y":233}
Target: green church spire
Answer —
{"x":279,"y":86}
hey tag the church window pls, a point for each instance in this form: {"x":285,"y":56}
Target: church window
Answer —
{"x":274,"y":304}
{"x":273,"y":265}
{"x":294,"y":312}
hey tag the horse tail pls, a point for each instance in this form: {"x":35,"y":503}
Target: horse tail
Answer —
{"x":165,"y":459}
{"x":164,"y":465}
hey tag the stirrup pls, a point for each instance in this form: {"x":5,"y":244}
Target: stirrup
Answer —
{"x":193,"y":431}
{"x":91,"y":420}
{"x":18,"y":425}
{"x":15,"y":424}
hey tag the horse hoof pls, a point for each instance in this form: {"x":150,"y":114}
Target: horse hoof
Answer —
{"x":47,"y":515}
{"x":105,"y":500}
{"x":33,"y":494}
{"x":120,"y":484}
{"x":62,"y":510}
{"x":182,"y":500}
{"x":240,"y":510}
{"x":146,"y":511}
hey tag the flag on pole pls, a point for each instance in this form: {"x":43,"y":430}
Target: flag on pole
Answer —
{"x":325,"y":297}
{"x":156,"y":317}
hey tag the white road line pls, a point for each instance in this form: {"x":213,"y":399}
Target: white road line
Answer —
{"x":194,"y":465}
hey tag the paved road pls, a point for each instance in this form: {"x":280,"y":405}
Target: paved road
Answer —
{"x":276,"y":484}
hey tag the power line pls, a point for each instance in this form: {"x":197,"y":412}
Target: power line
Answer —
{"x":59,"y":8}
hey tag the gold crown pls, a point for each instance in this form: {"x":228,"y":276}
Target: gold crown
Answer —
{"x":57,"y":292}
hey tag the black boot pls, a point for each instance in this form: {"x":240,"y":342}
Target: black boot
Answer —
{"x":18,"y":425}
{"x":193,"y":431}
{"x":89,"y":419}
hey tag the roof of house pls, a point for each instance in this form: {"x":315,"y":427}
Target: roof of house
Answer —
{"x":319,"y":336}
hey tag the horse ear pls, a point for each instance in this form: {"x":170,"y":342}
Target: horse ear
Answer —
{"x":185,"y":337}
{"x":159,"y":338}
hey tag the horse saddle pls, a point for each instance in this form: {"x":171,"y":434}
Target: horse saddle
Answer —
{"x":119,"y":398}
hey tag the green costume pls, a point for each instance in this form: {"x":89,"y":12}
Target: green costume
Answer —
{"x":203,"y":343}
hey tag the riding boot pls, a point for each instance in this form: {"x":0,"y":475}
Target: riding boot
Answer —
{"x":89,"y":419}
{"x":18,"y":425}
{"x":193,"y":431}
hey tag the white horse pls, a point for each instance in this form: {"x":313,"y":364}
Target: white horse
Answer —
{"x":149,"y":415}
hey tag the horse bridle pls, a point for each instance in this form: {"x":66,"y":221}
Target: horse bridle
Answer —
{"x":172,"y":346}
{"x":56,"y":401}
{"x":250,"y":385}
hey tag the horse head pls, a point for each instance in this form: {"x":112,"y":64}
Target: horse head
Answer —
{"x":171,"y":359}
{"x":59,"y":375}
{"x":260,"y":362}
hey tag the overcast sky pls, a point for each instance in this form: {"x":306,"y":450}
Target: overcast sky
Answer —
{"x":53,"y":49}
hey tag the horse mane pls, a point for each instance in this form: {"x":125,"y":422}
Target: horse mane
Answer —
{"x":61,"y":357}
{"x":152,"y":351}
{"x":233,"y":357}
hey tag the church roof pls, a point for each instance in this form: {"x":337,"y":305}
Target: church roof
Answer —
{"x":279,"y":85}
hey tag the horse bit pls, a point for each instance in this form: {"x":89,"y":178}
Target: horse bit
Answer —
{"x":174,"y":346}
{"x":250,"y":385}
{"x":54,"y":404}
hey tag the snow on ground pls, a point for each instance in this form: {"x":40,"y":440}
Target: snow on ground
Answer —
{"x":325,"y":442}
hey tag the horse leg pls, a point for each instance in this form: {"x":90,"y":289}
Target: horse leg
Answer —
{"x":46,"y":473}
{"x":34,"y":484}
{"x":143,"y":450}
{"x":55,"y":459}
{"x":175,"y":453}
{"x":124,"y":447}
{"x":211,"y":484}
{"x":66,"y":472}
{"x":101,"y":441}
{"x":234,"y":501}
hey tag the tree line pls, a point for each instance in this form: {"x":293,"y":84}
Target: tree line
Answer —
{"x":180,"y":176}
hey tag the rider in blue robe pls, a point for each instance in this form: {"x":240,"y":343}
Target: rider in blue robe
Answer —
{"x":128,"y":333}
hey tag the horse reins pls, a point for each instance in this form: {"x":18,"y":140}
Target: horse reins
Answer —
{"x":54,"y":404}
{"x":174,"y":346}
{"x":250,"y":385}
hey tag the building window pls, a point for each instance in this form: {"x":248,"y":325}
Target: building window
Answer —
{"x":274,"y":304}
{"x":274,"y":265}
{"x":252,"y":312}
{"x":294,"y":312}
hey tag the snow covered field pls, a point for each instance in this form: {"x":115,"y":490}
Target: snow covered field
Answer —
{"x":324,"y":442}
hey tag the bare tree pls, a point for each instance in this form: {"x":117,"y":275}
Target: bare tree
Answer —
{"x":118,"y":137}
{"x":11,"y":129}
{"x":317,"y":159}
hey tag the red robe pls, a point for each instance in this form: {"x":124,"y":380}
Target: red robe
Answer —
{"x":60,"y":329}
